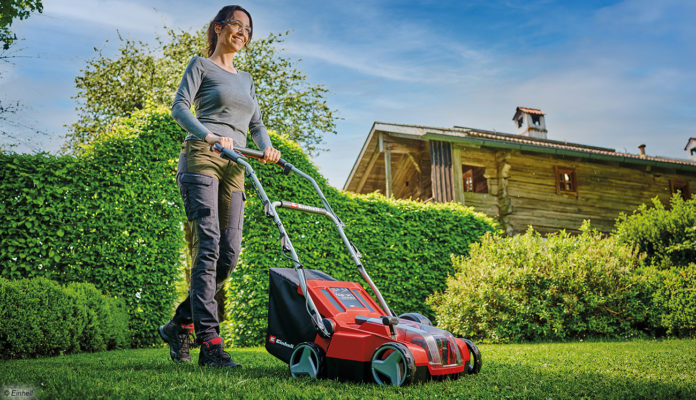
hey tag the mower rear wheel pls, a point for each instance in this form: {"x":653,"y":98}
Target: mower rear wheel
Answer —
{"x":474,"y":356}
{"x":307,"y":359}
{"x":393,"y":364}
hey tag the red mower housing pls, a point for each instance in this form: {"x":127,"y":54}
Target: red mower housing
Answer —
{"x":364,"y":343}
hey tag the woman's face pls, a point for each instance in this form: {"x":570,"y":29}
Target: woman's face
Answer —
{"x":231,"y":36}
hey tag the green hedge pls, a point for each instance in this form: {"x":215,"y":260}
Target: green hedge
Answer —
{"x":111,"y":216}
{"x":666,"y":234}
{"x":527,"y":288}
{"x":406,"y":245}
{"x":42,"y":317}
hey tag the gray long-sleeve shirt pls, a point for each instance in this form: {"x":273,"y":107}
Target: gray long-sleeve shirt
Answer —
{"x":225,"y":104}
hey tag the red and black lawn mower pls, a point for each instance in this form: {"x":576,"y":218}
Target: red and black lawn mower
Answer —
{"x":327,"y":328}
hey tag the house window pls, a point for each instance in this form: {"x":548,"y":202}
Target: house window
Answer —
{"x":681,"y":187}
{"x":565,"y":180}
{"x":474,"y":181}
{"x":536,"y":119}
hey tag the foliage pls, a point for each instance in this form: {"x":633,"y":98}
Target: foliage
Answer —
{"x":675,"y":299}
{"x":666,"y":235}
{"x":111,"y":88}
{"x":41,"y":317}
{"x":555,"y":288}
{"x":637,"y":369}
{"x":111,"y":216}
{"x":11,"y":9}
{"x":107,"y":319}
{"x":405,"y":244}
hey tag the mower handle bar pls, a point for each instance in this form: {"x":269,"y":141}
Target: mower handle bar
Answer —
{"x":238,"y":156}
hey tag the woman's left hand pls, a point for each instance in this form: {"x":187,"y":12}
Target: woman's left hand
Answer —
{"x":270,"y":155}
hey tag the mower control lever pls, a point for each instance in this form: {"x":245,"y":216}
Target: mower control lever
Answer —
{"x":390,"y":321}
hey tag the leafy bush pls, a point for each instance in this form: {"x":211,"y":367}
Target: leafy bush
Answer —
{"x":111,"y":217}
{"x":526,"y":288}
{"x":405,"y":245}
{"x":675,"y":299}
{"x":107,"y":320}
{"x":666,"y":235}
{"x":41,"y":317}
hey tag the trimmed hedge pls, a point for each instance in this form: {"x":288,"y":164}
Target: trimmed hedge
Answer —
{"x":406,"y":245}
{"x":666,"y":234}
{"x":111,"y":216}
{"x":528,"y":288}
{"x":42,"y":317}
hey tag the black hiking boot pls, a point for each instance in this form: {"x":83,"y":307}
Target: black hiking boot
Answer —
{"x":179,"y":339}
{"x":214,"y":355}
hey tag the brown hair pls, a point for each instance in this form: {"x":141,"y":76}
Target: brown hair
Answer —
{"x":222,"y":15}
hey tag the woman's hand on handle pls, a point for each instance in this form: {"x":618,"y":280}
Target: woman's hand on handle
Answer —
{"x":224,"y":141}
{"x":270,"y":155}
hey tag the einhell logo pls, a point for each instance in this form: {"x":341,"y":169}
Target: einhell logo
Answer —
{"x":275,"y":340}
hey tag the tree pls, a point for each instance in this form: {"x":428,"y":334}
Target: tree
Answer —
{"x":11,"y":9}
{"x":142,"y":75}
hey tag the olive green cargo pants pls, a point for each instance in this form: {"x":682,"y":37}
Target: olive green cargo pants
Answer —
{"x":212,"y":189}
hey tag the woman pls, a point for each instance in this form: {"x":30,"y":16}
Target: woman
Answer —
{"x":211,"y":187}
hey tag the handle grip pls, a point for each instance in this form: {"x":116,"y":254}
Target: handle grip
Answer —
{"x":258,"y":154}
{"x":226,"y":153}
{"x":235,"y":154}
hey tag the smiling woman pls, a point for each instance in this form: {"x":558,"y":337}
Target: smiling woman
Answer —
{"x":212,"y":188}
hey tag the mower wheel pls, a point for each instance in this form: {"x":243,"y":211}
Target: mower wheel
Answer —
{"x":475,"y":357}
{"x":415,"y":317}
{"x":307,"y":359}
{"x":393,"y":364}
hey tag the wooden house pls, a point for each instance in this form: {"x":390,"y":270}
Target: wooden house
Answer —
{"x":520,"y":179}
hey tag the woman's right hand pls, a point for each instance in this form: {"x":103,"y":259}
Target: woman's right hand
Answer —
{"x":224,"y":141}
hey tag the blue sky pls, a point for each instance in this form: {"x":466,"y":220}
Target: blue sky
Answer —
{"x":607,"y":73}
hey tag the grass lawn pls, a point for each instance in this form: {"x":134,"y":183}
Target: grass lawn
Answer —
{"x":664,"y":369}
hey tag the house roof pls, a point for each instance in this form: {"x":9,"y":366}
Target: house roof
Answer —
{"x":494,"y":139}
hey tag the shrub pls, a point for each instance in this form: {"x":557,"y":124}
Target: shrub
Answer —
{"x":107,"y":319}
{"x":527,"y":288}
{"x":110,"y":216}
{"x":666,"y":235}
{"x":675,"y":300}
{"x":41,"y":317}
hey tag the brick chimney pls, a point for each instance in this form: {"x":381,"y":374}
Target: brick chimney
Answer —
{"x":530,"y":122}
